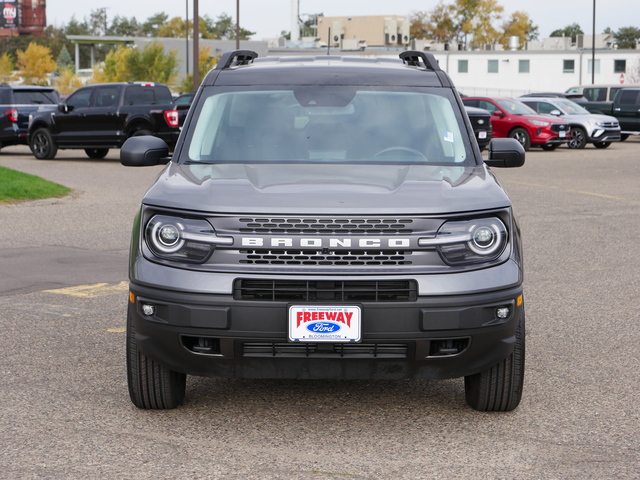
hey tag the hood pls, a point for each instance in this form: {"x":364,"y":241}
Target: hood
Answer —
{"x":326,"y":189}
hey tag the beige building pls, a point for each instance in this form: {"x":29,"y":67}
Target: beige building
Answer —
{"x":355,"y":33}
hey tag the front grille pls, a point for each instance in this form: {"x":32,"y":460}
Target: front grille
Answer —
{"x":314,"y":257}
{"x":325,"y":350}
{"x":326,"y":290}
{"x":328,"y":226}
{"x":559,"y":127}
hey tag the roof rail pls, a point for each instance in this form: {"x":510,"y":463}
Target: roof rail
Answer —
{"x":412,"y":57}
{"x":236,"y":58}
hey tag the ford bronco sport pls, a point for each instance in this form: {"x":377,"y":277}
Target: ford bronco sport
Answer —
{"x":326,"y":218}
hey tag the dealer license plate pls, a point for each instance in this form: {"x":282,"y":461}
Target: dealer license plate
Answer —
{"x":322,"y":323}
{"x":482,"y":135}
{"x":563,"y":134}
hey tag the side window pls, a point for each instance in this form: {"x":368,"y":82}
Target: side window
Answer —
{"x":35,"y":98}
{"x":544,"y":108}
{"x":106,"y":96}
{"x":629,"y":97}
{"x":612,"y":93}
{"x":488,"y":106}
{"x":534,"y":105}
{"x":596,"y":94}
{"x":80,"y":99}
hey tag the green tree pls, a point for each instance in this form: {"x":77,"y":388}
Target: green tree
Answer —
{"x":64,"y":60}
{"x":123,"y":26}
{"x":175,"y":28}
{"x":627,"y":37}
{"x":224,"y":28}
{"x":35,"y":63}
{"x":153,"y":23}
{"x":115,"y":66}
{"x":74,"y":27}
{"x":572,"y":31}
{"x":519,"y":25}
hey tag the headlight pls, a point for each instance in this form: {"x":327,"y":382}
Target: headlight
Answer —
{"x":473,"y":241}
{"x":182,"y":239}
{"x":539,"y":123}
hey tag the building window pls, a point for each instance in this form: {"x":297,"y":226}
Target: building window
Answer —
{"x":492,"y":66}
{"x":463,"y":66}
{"x":619,"y":66}
{"x":523,"y":66}
{"x":568,"y":66}
{"x":590,"y":67}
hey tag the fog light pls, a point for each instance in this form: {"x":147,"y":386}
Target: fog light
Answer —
{"x":148,"y":309}
{"x":502,"y":312}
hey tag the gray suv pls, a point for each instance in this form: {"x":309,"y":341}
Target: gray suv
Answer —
{"x":586,"y":127}
{"x":326,"y":218}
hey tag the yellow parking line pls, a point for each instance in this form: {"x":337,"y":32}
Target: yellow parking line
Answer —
{"x":92,"y":291}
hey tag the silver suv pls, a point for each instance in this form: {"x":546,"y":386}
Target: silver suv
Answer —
{"x":586,"y":127}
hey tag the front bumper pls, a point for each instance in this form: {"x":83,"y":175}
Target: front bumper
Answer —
{"x":223,"y":336}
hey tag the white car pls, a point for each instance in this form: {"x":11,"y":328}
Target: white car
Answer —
{"x":586,"y":127}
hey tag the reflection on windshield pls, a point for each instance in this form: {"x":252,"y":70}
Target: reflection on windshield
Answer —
{"x":516,"y":108}
{"x":326,"y":125}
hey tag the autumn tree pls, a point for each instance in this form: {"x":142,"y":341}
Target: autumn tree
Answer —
{"x":519,"y":25}
{"x":67,"y":81}
{"x":35,"y":63}
{"x":115,"y":66}
{"x":205,"y":63}
{"x":6,"y":67}
{"x":475,"y":19}
{"x":152,"y":64}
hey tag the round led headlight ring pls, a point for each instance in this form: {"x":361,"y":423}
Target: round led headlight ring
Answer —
{"x":166,"y":237}
{"x":485,"y":239}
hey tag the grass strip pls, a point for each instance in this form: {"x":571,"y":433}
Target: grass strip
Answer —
{"x":18,"y":187}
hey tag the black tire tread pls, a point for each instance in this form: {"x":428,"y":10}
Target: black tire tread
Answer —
{"x":499,"y":388}
{"x":151,"y":385}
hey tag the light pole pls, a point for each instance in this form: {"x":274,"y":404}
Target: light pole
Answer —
{"x":237,"y":24}
{"x":186,"y":34}
{"x":593,"y":47}
{"x":196,"y":47}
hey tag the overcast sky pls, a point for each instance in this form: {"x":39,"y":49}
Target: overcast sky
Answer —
{"x":269,"y":17}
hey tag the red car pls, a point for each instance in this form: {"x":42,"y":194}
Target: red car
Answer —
{"x":513,"y":119}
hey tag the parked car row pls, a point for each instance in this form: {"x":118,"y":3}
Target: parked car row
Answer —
{"x":99,"y":117}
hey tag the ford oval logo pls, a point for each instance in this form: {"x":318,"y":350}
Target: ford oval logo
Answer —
{"x":323,"y":327}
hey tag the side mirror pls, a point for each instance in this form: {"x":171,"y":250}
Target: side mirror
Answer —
{"x":497,"y":113}
{"x":505,"y":153}
{"x":557,"y":113}
{"x":64,"y":108}
{"x":144,"y":151}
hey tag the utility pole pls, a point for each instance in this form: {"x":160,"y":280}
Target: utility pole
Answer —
{"x":237,"y":24}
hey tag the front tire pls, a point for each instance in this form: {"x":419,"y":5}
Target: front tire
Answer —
{"x":601,"y":144}
{"x":522,"y":136}
{"x":499,"y":388}
{"x":42,"y":145}
{"x":151,"y":385}
{"x":96,"y":153}
{"x":578,"y":138}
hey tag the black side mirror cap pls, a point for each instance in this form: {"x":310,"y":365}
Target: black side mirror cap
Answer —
{"x":505,"y":153}
{"x":64,"y":108}
{"x":144,"y":151}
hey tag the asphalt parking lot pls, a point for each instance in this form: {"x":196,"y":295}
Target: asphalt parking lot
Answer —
{"x":65,"y":407}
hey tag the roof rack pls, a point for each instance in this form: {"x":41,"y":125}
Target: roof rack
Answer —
{"x":236,"y":58}
{"x":412,"y":57}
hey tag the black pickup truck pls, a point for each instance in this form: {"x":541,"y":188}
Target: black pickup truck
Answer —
{"x":16,"y":104}
{"x":99,"y":117}
{"x":625,"y":107}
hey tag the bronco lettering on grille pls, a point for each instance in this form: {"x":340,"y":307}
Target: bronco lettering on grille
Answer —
{"x":285,"y":242}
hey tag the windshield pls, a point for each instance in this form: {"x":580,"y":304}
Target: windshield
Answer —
{"x":514,"y":107}
{"x":572,"y":108}
{"x":327,"y":124}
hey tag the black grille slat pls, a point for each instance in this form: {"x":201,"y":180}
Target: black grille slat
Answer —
{"x":326,"y":290}
{"x":314,"y":257}
{"x":337,"y":350}
{"x":327,"y":226}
